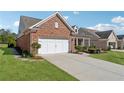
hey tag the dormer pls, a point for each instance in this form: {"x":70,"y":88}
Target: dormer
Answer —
{"x":75,"y":29}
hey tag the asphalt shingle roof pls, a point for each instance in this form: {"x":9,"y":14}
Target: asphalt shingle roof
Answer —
{"x":120,"y":36}
{"x":86,"y":32}
{"x":29,"y":21}
{"x":104,"y":34}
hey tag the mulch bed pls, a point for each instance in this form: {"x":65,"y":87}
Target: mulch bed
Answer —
{"x":36,"y":58}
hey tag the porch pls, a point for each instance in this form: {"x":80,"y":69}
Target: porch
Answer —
{"x":82,"y":41}
{"x":112,"y":45}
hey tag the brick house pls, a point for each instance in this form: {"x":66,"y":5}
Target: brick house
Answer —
{"x":53,"y":33}
{"x":57,"y":36}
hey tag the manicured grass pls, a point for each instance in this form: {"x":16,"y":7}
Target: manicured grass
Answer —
{"x":115,"y":57}
{"x":16,"y":69}
{"x":3,"y":45}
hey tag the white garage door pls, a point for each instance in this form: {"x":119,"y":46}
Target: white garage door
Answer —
{"x":50,"y":46}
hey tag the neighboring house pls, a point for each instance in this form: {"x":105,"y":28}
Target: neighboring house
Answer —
{"x":120,"y":41}
{"x":86,"y":37}
{"x":101,"y":39}
{"x":107,"y":39}
{"x":53,"y":33}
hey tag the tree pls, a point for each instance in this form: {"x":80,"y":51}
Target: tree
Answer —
{"x":0,"y":39}
{"x":35,"y":47}
{"x":6,"y":36}
{"x":11,"y":41}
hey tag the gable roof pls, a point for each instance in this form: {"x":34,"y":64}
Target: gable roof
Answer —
{"x":87,"y":31}
{"x":104,"y":34}
{"x":51,"y":16}
{"x":120,"y":36}
{"x":26,"y":22}
{"x":29,"y":21}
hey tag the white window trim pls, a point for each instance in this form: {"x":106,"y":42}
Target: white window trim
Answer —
{"x":56,"y":25}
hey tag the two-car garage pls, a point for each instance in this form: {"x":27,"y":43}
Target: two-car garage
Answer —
{"x":53,"y":33}
{"x":51,"y":46}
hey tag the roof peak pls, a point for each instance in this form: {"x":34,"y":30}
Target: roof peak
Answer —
{"x":30,"y":17}
{"x":51,"y":16}
{"x":104,"y":34}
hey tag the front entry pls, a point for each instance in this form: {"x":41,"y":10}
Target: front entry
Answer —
{"x":51,"y":46}
{"x":112,"y":45}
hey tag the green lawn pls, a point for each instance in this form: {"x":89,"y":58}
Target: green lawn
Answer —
{"x":3,"y":45}
{"x":16,"y":69}
{"x":115,"y":57}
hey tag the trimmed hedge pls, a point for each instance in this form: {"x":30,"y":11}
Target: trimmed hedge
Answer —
{"x":91,"y":49}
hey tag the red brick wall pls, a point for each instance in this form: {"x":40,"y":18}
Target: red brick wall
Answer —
{"x":72,"y":44}
{"x":24,"y":42}
{"x":48,"y":30}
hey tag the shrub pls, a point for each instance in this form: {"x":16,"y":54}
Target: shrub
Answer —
{"x":91,"y":50}
{"x":93,"y":46}
{"x":35,"y":47}
{"x":78,"y":48}
{"x":85,"y":47}
{"x":11,"y":41}
{"x":109,"y":48}
{"x":98,"y":51}
{"x":26,"y":54}
{"x":119,"y":47}
{"x":11,"y":45}
{"x":94,"y":50}
{"x":19,"y":50}
{"x":81,"y":48}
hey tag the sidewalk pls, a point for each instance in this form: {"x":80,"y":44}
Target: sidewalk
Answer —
{"x":117,"y":50}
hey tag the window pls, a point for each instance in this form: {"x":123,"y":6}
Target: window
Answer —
{"x":80,"y":41}
{"x":56,"y":25}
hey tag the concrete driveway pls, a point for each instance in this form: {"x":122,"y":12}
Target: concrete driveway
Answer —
{"x":86,"y":68}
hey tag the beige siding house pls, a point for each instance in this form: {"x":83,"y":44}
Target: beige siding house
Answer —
{"x":120,"y":41}
{"x":101,"y":39}
{"x":85,"y":37}
{"x":107,"y":39}
{"x":112,"y":41}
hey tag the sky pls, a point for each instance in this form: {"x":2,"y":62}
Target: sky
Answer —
{"x":98,"y":20}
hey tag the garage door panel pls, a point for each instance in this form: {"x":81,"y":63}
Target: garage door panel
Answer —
{"x":65,"y":47}
{"x":50,"y":46}
{"x":43,"y":48}
{"x":58,"y":46}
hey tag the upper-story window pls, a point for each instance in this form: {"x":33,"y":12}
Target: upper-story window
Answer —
{"x":56,"y":25}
